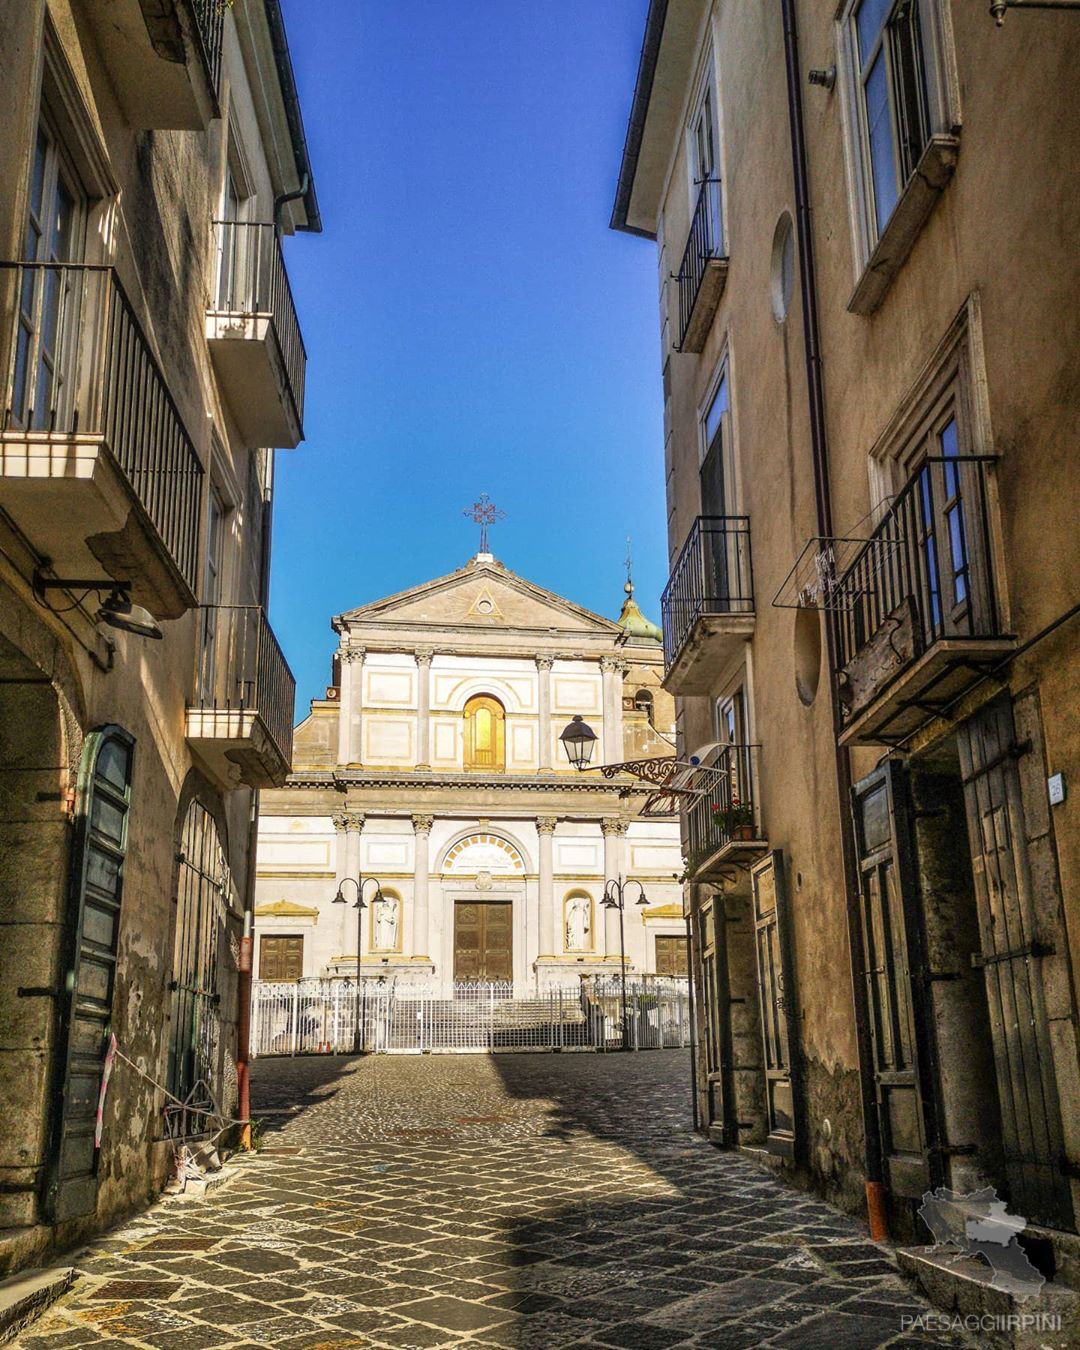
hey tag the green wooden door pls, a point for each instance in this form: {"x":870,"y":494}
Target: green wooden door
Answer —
{"x":104,"y":801}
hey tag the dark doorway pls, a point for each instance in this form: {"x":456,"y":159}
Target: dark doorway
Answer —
{"x":483,"y":941}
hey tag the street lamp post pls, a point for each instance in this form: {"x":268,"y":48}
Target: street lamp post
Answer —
{"x":359,"y":904}
{"x":616,"y":894}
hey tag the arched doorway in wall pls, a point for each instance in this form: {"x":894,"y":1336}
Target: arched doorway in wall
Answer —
{"x":196,"y":1070}
{"x":40,"y":743}
{"x":482,"y":886}
{"x":485,"y":734}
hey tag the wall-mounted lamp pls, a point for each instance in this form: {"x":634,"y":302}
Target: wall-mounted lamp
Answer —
{"x":116,"y":608}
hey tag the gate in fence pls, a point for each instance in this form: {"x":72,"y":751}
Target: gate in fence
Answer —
{"x":306,"y":1017}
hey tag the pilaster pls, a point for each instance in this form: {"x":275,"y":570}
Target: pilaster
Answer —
{"x":350,"y":699}
{"x":613,"y":831}
{"x":423,"y":707}
{"x":419,"y":947}
{"x":543,"y":666}
{"x":545,"y":829}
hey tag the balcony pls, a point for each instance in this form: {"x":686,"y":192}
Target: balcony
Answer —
{"x":96,"y":467}
{"x":163,"y":58}
{"x":703,"y":271}
{"x":708,"y":604}
{"x":254,"y":335}
{"x":723,"y":824}
{"x":916,"y":611}
{"x":241,"y":722}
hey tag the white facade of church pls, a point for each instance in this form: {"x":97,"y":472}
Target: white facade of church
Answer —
{"x":434,"y":767}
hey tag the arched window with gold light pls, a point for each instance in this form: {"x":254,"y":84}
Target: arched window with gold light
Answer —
{"x":485,"y":723}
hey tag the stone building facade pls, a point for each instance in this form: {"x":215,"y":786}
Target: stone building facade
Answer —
{"x":434,"y":765}
{"x":153,"y":157}
{"x":869,"y":319}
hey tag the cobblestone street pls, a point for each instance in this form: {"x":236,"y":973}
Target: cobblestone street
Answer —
{"x":509,"y":1201}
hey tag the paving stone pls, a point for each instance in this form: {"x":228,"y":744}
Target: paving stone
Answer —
{"x":498,"y":1203}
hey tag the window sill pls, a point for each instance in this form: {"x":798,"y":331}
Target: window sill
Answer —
{"x":917,"y":201}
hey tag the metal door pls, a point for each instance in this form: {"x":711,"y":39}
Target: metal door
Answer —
{"x":483,"y":941}
{"x":895,"y":968}
{"x":1012,"y":950}
{"x":97,"y":885}
{"x":776,"y":1001}
{"x":195,"y":1052}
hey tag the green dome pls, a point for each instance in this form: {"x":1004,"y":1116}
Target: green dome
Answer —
{"x":635,"y":624}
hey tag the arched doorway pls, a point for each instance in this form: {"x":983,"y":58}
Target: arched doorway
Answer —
{"x":485,"y":742}
{"x":35,"y":833}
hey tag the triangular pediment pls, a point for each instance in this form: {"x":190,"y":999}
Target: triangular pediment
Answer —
{"x":481,"y":595}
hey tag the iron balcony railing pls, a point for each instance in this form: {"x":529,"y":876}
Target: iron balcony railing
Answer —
{"x":243,"y":670}
{"x":252,"y":281}
{"x":929,"y":560}
{"x":727,"y":811}
{"x":705,"y":241}
{"x":79,"y":364}
{"x":712,"y":575}
{"x":210,"y":24}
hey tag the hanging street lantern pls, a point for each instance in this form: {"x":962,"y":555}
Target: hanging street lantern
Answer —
{"x":579,"y":740}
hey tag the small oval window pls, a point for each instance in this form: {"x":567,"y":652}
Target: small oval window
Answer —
{"x":807,"y":654}
{"x":782,"y":279}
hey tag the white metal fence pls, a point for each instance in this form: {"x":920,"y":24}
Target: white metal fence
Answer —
{"x":307,"y":1017}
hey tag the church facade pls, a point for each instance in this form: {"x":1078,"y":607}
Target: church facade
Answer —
{"x":433,"y":766}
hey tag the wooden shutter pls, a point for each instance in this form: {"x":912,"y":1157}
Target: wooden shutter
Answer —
{"x":776,"y":995}
{"x":895,"y":974}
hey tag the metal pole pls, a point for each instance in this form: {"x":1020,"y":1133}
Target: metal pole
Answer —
{"x":622,"y":964}
{"x":359,"y":934}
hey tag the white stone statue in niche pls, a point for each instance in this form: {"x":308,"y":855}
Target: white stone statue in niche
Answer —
{"x":577,"y":923}
{"x":386,"y":923}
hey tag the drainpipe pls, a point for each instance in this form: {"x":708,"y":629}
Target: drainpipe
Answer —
{"x":690,"y":968}
{"x":243,"y":984}
{"x":285,"y":197}
{"x":875,"y":1191}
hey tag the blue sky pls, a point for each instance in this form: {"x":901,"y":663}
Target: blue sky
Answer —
{"x":471,"y":322}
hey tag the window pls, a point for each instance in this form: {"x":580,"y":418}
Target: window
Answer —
{"x":212,"y":589}
{"x":281,"y":958}
{"x":930,"y":468}
{"x":892,"y":97}
{"x":716,"y":435}
{"x":484,"y":734}
{"x":49,"y":292}
{"x":643,"y":703}
{"x":705,"y":175}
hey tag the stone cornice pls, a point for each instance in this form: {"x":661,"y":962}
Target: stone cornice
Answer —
{"x":342,"y":780}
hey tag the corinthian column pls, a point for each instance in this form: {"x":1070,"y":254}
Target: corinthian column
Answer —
{"x":545,"y":828}
{"x":613,"y":834}
{"x":421,"y":935}
{"x":423,"y":708}
{"x":543,"y":666}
